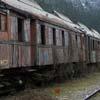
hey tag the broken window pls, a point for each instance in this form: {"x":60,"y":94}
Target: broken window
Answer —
{"x":3,"y":24}
{"x":20,"y":29}
{"x":43,"y":41}
{"x":54,"y":36}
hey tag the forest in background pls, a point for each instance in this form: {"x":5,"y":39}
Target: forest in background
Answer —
{"x":84,"y":11}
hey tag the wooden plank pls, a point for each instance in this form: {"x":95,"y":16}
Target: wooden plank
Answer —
{"x":5,"y":56}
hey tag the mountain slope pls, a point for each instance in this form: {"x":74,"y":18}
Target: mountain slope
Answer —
{"x":85,"y":11}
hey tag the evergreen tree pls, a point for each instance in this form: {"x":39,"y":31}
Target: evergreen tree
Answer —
{"x":76,"y":10}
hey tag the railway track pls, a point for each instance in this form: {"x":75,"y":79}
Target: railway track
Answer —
{"x":88,"y":97}
{"x":10,"y":85}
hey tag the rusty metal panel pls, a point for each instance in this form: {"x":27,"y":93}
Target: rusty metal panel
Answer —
{"x":24,"y":56}
{"x":27,"y":30}
{"x":14,"y":28}
{"x":44,"y":56}
{"x":5,"y":56}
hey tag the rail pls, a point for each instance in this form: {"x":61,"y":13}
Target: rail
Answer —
{"x":92,"y":94}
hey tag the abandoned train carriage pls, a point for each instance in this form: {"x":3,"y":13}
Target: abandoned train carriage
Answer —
{"x":31,"y":38}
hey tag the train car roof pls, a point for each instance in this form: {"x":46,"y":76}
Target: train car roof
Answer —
{"x":68,"y":21}
{"x":32,"y":3}
{"x":86,"y":29}
{"x":97,"y":34}
{"x":89,"y":32}
{"x":38,"y":12}
{"x":62,"y":16}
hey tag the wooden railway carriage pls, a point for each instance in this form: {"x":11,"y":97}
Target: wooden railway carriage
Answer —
{"x":31,"y":37}
{"x":92,"y":44}
{"x":97,"y":45}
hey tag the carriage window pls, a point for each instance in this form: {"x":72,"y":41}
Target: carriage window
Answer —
{"x":54,"y":36}
{"x":88,"y":41}
{"x":76,"y":37}
{"x":3,"y":23}
{"x":20,"y":29}
{"x":43,"y":34}
{"x":63,"y":38}
{"x":93,"y":44}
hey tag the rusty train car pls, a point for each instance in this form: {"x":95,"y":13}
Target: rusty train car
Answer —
{"x":33,"y":39}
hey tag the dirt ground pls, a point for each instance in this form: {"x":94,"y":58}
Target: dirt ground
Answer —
{"x":76,"y":89}
{"x":36,"y":94}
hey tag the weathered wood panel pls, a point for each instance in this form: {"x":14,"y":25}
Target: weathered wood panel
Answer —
{"x":5,"y":56}
{"x":66,"y":55}
{"x":44,"y":56}
{"x":14,"y":28}
{"x":93,"y":56}
{"x":3,"y":29}
{"x":58,"y":37}
{"x":34,"y":30}
{"x":27,"y":31}
{"x":24,"y":56}
{"x":66,"y":37}
{"x":33,"y":55}
{"x":59,"y":55}
{"x":98,"y":56}
{"x":15,"y":56}
{"x":50,"y":36}
{"x":38,"y":34}
{"x":75,"y":57}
